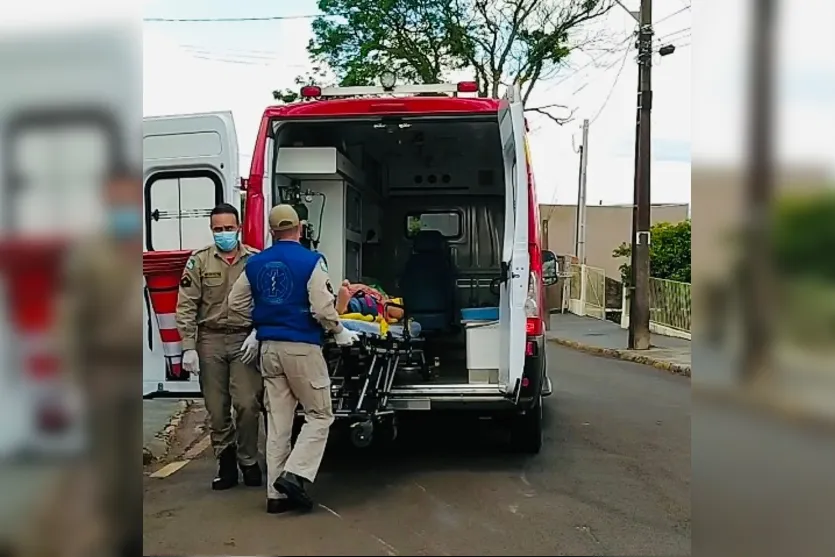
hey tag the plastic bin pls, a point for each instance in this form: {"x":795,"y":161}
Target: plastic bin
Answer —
{"x":480,"y":314}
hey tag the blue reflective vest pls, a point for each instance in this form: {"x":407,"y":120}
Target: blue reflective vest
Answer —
{"x":278,"y":277}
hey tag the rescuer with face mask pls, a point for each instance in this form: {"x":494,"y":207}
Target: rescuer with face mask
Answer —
{"x":223,"y":355}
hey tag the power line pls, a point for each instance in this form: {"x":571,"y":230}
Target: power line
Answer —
{"x":229,"y":19}
{"x":684,"y":9}
{"x":614,"y":84}
{"x":684,"y":30}
{"x":594,"y":60}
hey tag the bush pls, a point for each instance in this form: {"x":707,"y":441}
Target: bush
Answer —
{"x":669,"y":253}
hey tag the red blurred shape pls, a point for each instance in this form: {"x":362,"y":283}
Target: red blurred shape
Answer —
{"x":310,"y":91}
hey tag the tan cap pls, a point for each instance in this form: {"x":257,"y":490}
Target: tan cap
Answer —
{"x":283,"y":217}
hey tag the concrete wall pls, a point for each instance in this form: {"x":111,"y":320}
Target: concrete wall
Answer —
{"x":607,"y":227}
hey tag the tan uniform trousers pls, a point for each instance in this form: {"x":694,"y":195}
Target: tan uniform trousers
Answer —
{"x":295,"y":373}
{"x":227,"y":383}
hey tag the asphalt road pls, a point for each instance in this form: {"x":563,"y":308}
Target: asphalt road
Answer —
{"x":612,"y":479}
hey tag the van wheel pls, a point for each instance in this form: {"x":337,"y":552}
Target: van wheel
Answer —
{"x":526,"y":430}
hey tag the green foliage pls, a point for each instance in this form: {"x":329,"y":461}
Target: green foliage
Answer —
{"x":413,"y":226}
{"x":502,"y":41}
{"x":359,"y":39}
{"x":669,"y":252}
{"x":804,"y":237}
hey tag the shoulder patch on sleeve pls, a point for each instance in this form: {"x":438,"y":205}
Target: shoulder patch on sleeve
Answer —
{"x":190,"y":263}
{"x":323,"y":264}
{"x":185,"y":282}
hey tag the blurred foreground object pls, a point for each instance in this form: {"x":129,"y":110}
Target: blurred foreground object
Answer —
{"x":758,"y":295}
{"x":70,"y":328}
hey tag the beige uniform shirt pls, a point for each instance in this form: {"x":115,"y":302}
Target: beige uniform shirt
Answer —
{"x":204,"y":289}
{"x":319,"y":292}
{"x":100,"y":314}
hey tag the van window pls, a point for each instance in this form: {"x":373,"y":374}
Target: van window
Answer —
{"x":177,"y":207}
{"x":447,"y":223}
{"x":55,"y":178}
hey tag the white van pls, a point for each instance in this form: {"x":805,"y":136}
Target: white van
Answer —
{"x":190,"y":165}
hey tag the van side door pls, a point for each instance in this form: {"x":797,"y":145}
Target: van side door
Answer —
{"x":515,"y":258}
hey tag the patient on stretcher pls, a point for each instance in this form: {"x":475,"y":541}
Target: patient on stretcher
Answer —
{"x":364,"y":309}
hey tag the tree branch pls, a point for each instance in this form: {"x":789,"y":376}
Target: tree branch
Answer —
{"x":559,"y":121}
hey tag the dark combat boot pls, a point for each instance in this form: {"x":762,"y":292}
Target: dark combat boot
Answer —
{"x":252,"y":475}
{"x":294,"y":487}
{"x":227,"y":470}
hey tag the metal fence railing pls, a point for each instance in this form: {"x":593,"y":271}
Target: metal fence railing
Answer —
{"x":670,"y":303}
{"x":575,"y":282}
{"x":587,"y":291}
{"x":595,"y":281}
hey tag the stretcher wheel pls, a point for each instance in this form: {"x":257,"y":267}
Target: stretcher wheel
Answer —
{"x":362,"y":434}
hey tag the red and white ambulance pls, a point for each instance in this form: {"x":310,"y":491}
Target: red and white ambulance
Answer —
{"x":378,"y":170}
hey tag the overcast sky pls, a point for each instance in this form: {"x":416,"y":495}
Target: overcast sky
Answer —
{"x":235,"y":66}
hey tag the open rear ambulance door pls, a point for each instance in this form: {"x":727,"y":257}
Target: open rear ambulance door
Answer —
{"x":515,"y":258}
{"x":190,"y":165}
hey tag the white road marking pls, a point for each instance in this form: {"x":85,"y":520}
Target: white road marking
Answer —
{"x":388,"y":547}
{"x":330,"y":510}
{"x":169,"y":469}
{"x":198,"y":448}
{"x":195,"y":451}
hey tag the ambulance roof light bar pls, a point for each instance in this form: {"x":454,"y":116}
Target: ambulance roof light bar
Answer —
{"x":312,"y":91}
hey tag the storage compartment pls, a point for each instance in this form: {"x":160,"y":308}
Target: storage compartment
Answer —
{"x":406,"y":181}
{"x":483,"y":341}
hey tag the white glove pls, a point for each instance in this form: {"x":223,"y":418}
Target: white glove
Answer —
{"x":345,"y":337}
{"x":191,"y":363}
{"x":249,"y":349}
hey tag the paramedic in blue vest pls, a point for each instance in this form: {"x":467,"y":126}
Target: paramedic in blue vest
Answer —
{"x":285,"y":293}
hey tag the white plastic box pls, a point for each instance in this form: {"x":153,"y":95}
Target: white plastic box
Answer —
{"x":483,"y":343}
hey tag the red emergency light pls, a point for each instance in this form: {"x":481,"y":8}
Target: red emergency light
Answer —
{"x":467,"y":87}
{"x":311,"y":91}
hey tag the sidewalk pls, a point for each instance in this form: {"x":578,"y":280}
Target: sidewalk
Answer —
{"x":800,"y":388}
{"x":608,"y":339}
{"x":160,"y":418}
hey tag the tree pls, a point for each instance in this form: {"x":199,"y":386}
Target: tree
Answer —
{"x":518,"y":41}
{"x":359,"y":39}
{"x":502,"y":41}
{"x":669,"y":252}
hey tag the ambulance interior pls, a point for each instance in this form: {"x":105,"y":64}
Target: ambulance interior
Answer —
{"x":416,"y":206}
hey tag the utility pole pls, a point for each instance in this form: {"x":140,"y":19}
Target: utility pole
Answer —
{"x":757,"y":286}
{"x":639,"y":335}
{"x":634,"y":230}
{"x":580,"y":229}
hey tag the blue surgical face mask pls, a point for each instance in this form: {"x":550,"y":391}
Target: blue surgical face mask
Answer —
{"x":226,"y":241}
{"x":124,"y":222}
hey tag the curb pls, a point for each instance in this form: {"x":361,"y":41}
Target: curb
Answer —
{"x":626,"y":355}
{"x":165,"y":436}
{"x":783,"y":409}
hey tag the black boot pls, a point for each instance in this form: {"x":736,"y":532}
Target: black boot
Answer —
{"x":227,"y":470}
{"x":252,"y":475}
{"x":278,"y":506}
{"x":294,"y":487}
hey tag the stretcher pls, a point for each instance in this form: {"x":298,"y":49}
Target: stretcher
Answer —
{"x":362,"y":375}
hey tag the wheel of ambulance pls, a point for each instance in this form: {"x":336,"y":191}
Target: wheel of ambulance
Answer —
{"x":526,"y":430}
